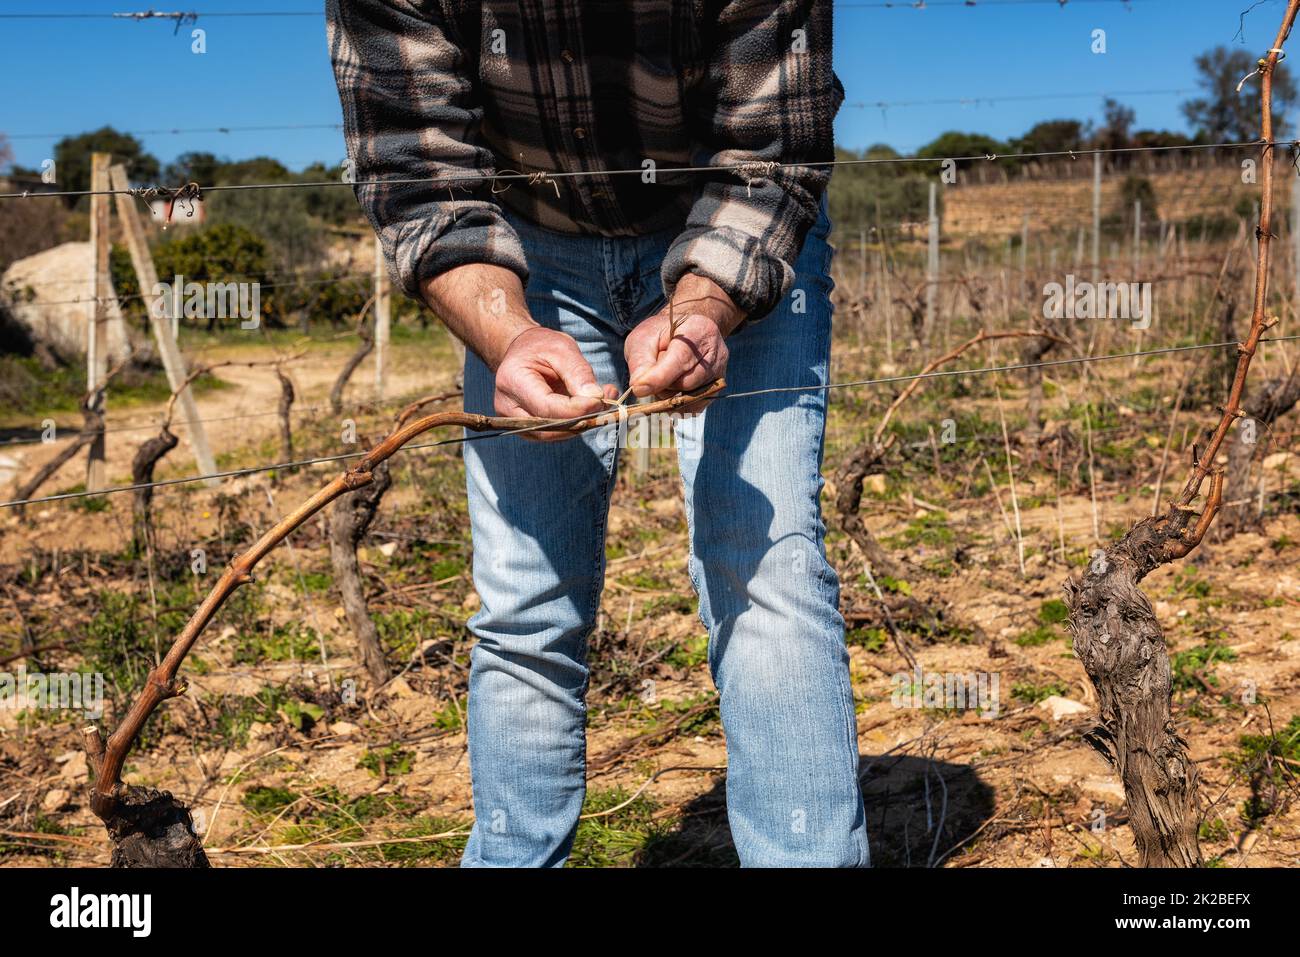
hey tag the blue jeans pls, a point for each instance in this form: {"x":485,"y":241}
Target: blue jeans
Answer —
{"x":751,"y":471}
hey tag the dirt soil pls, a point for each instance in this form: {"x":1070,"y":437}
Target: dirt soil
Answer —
{"x":289,"y":756}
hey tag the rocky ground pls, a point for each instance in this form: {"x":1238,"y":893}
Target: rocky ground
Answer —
{"x":283,"y":764}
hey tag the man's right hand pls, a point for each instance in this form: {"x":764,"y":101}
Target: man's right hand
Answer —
{"x":544,"y":374}
{"x":540,"y":372}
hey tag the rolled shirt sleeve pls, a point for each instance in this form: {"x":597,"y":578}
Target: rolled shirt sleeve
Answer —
{"x":411,"y":128}
{"x":769,"y":96}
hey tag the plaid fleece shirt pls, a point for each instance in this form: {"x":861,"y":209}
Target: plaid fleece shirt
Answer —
{"x":465,"y":89}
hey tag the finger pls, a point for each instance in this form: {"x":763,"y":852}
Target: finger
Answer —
{"x":666,"y":333}
{"x":641,"y":352}
{"x":673,"y":364}
{"x":574,"y":371}
{"x":546,"y":436}
{"x":699,"y":376}
{"x":538,"y":396}
{"x":507,"y":407}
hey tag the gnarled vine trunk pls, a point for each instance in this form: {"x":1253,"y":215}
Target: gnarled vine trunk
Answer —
{"x":1122,"y":648}
{"x":350,"y":518}
{"x":1115,"y":631}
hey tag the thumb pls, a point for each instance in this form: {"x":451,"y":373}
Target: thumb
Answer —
{"x":575,"y":372}
{"x":641,"y":353}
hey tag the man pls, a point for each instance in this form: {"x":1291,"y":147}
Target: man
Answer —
{"x":556,"y":285}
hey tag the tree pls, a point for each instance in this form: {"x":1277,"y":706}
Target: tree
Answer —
{"x":1223,"y":115}
{"x":26,"y":228}
{"x":955,"y":144}
{"x":1152,"y":138}
{"x":214,"y":253}
{"x":218,"y":252}
{"x":259,"y":169}
{"x":72,"y":158}
{"x":1052,"y":136}
{"x":1137,"y":189}
{"x":333,"y":204}
{"x":293,"y":240}
{"x":1117,"y":125}
{"x":279,"y":216}
{"x":193,"y":167}
{"x":888,"y":193}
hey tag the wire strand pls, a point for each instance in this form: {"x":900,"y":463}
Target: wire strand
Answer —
{"x":538,"y":176}
{"x":270,"y":128}
{"x":976,"y":4}
{"x":875,"y":105}
{"x":340,"y":280}
{"x":1011,"y":98}
{"x":188,"y":15}
{"x":825,"y":387}
{"x":919,"y":5}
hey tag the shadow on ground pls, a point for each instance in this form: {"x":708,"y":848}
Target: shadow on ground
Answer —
{"x":910,"y":822}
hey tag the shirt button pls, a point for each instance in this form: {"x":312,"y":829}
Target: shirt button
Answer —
{"x":566,"y":56}
{"x":580,"y":133}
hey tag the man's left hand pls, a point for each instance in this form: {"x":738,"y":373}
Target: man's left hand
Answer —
{"x":663,"y":360}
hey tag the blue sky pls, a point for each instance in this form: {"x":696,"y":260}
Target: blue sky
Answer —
{"x":73,"y":75}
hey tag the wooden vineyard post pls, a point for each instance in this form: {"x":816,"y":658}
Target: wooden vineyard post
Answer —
{"x":160,"y":321}
{"x":1295,"y":243}
{"x":1137,"y":238}
{"x":932,"y":265}
{"x":1096,"y":217}
{"x":641,"y":458}
{"x":97,"y":321}
{"x":383,"y":318}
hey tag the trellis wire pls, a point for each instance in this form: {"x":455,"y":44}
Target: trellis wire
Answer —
{"x":755,"y":169}
{"x":551,"y":425}
{"x":331,"y":280}
{"x":193,"y":15}
{"x":875,"y":105}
